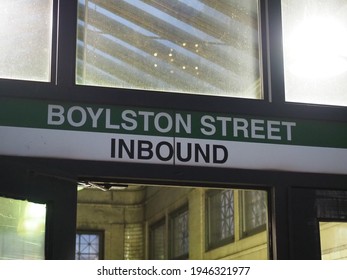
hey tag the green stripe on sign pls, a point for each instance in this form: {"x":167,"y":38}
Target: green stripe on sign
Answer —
{"x":155,"y":122}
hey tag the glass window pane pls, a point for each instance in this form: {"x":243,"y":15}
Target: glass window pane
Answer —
{"x":315,"y":51}
{"x":157,"y":241}
{"x":87,"y":246}
{"x":333,"y":238}
{"x":220,"y":214}
{"x":180,"y":234}
{"x":254,"y":211}
{"x":26,"y":39}
{"x":22,"y":229}
{"x":203,"y":47}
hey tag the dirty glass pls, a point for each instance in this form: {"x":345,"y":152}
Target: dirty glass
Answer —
{"x":221,"y":217}
{"x":26,"y":39}
{"x":254,"y":214}
{"x":157,"y":241}
{"x":198,"y":47}
{"x":22,"y":229}
{"x":179,"y":234}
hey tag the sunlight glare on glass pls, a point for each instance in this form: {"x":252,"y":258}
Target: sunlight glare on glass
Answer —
{"x":26,"y":28}
{"x":34,"y":218}
{"x":318,"y":48}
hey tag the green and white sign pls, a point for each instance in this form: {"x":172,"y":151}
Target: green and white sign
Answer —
{"x":37,"y":128}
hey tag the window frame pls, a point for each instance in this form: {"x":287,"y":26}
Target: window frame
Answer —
{"x":243,"y":210}
{"x":100,"y":235}
{"x":306,"y":83}
{"x":173,"y":215}
{"x":62,"y":51}
{"x":152,"y":228}
{"x":213,"y":244}
{"x":53,"y":52}
{"x":216,"y":48}
{"x":64,"y":88}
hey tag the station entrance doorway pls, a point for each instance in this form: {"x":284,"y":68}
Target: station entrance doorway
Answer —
{"x":158,"y":220}
{"x":135,"y":221}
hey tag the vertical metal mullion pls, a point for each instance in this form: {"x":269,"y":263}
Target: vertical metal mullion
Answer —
{"x":54,"y":42}
{"x":273,"y":50}
{"x":262,"y":35}
{"x":66,"y":43}
{"x":279,"y":222}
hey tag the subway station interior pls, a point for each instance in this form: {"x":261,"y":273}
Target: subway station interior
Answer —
{"x":173,"y":129}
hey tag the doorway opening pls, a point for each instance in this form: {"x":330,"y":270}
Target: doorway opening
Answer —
{"x":135,"y":221}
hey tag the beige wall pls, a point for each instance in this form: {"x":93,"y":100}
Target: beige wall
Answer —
{"x":333,"y":238}
{"x":120,"y":215}
{"x":125,"y":217}
{"x":162,"y":201}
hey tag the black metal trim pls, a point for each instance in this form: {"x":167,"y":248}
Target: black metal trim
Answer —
{"x":66,"y":42}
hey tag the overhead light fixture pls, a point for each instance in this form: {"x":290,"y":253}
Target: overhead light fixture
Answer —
{"x":104,"y":186}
